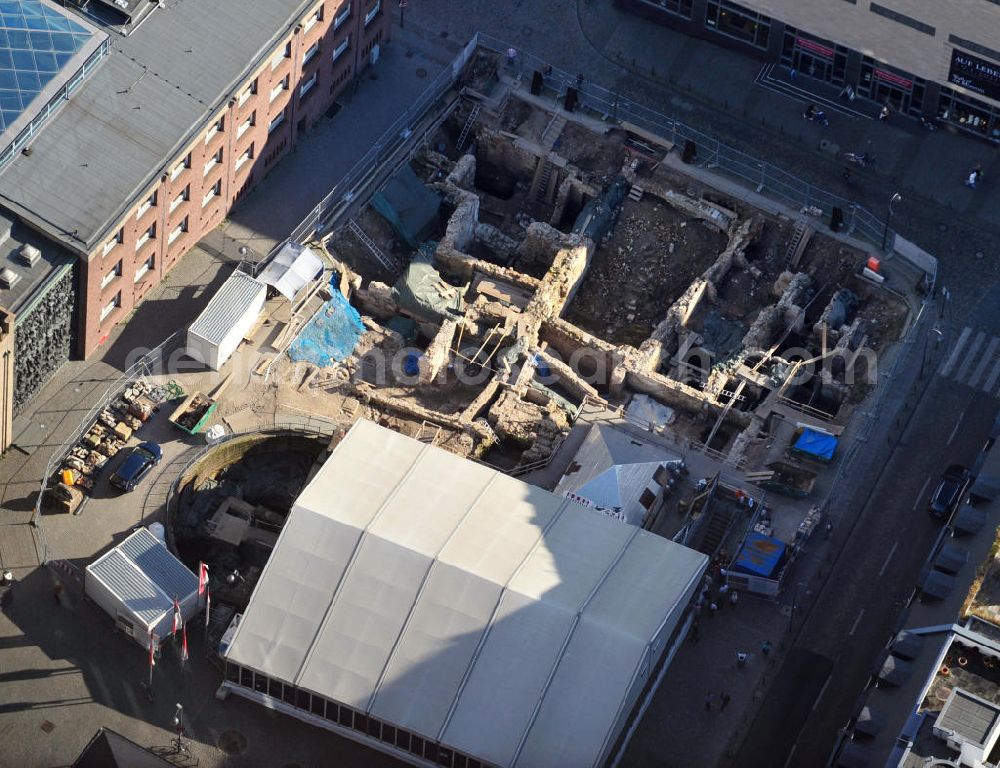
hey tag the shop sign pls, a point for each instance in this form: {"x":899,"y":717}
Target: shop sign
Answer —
{"x":813,"y":47}
{"x":975,"y":74}
{"x":894,"y":79}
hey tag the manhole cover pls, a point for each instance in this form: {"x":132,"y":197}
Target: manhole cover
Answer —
{"x":421,"y":72}
{"x":47,"y":726}
{"x":232,"y":742}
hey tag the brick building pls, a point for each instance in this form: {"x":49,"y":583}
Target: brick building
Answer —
{"x":191,"y":104}
{"x":937,"y":60}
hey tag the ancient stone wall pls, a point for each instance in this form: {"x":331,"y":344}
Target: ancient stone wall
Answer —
{"x":43,"y":339}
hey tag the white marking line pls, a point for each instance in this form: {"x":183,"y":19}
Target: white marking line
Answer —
{"x":970,"y":356}
{"x":987,"y":356}
{"x":923,"y":488}
{"x":888,"y":557}
{"x":823,"y":690}
{"x":955,"y":352}
{"x":994,"y":374}
{"x":791,"y":755}
{"x":857,"y":621}
{"x":955,"y":430}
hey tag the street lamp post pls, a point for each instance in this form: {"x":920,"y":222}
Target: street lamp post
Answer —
{"x":896,"y":197}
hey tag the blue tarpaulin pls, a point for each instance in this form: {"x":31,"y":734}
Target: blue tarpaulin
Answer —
{"x":760,"y":555}
{"x":331,"y":335}
{"x":816,"y":445}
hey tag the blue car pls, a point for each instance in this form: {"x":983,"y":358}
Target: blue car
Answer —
{"x":137,"y":463}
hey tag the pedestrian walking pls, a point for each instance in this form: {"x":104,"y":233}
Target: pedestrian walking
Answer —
{"x":829,"y":529}
{"x":733,"y":597}
{"x":741,"y":658}
{"x":709,"y":700}
{"x":57,"y":589}
{"x":792,"y":73}
{"x":724,"y":699}
{"x":765,"y":647}
{"x":883,"y":114}
{"x":723,"y":589}
{"x":712,"y":608}
{"x":695,"y":628}
{"x":974,"y":176}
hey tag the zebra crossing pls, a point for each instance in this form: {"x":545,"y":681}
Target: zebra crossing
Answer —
{"x":974,"y":361}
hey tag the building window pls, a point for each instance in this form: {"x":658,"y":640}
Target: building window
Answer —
{"x":214,"y":191}
{"x":308,"y":85}
{"x":114,"y":242}
{"x":280,"y":87}
{"x":346,"y":717}
{"x":249,"y":91}
{"x":310,"y":53}
{"x":370,"y":16}
{"x":217,"y":127}
{"x":182,"y":197}
{"x":318,"y":706}
{"x":969,"y":114}
{"x":278,"y":120}
{"x":247,"y":124}
{"x":285,"y":53}
{"x":145,"y":267}
{"x":114,"y":272}
{"x":213,"y":161}
{"x":182,"y":166}
{"x":340,"y":49}
{"x":244,"y":158}
{"x":179,"y":230}
{"x":148,"y":203}
{"x":341,"y":17}
{"x":403,"y":739}
{"x":112,"y":305}
{"x":313,"y":19}
{"x":901,"y":18}
{"x":737,"y":22}
{"x":146,"y":236}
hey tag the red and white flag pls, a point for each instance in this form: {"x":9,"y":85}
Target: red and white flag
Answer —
{"x":178,"y":621}
{"x":184,"y":643}
{"x":202,"y":579}
{"x":152,"y":651}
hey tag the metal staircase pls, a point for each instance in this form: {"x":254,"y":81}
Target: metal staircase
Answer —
{"x":383,"y":259}
{"x":543,"y":180}
{"x":797,"y":245}
{"x":467,"y":128}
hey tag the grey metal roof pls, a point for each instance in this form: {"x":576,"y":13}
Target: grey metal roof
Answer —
{"x":227,"y":306}
{"x":156,"y":561}
{"x":140,"y":574}
{"x":968,"y":717}
{"x":152,"y":94}
{"x":33,"y":279}
{"x":462,"y":604}
{"x":612,"y":468}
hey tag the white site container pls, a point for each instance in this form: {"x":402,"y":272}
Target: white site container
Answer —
{"x":229,"y":316}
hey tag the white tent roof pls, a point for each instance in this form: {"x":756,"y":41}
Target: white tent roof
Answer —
{"x":227,"y":307}
{"x":449,"y":599}
{"x":292,"y":269}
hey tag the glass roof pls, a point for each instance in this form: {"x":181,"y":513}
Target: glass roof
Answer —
{"x":36,"y":42}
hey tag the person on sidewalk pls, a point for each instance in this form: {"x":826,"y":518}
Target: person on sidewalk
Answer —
{"x":724,"y":699}
{"x":829,"y":529}
{"x":741,"y":659}
{"x":883,"y":114}
{"x":974,"y":176}
{"x":713,"y":607}
{"x":709,"y":698}
{"x":734,"y":596}
{"x":765,"y":647}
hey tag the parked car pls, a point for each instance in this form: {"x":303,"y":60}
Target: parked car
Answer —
{"x":138,"y":462}
{"x":949,"y":491}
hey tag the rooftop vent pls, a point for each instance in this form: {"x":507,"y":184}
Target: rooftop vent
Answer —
{"x":29,"y":254}
{"x":8,"y":277}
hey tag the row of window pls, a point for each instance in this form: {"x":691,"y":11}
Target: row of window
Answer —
{"x":116,"y":271}
{"x":350,"y":718}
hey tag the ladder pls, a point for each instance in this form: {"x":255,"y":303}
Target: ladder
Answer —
{"x":383,"y":259}
{"x":543,"y":180}
{"x":464,"y":135}
{"x":797,"y":245}
{"x":635,"y":194}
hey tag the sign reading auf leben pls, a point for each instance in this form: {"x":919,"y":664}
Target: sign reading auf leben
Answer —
{"x":975,"y":74}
